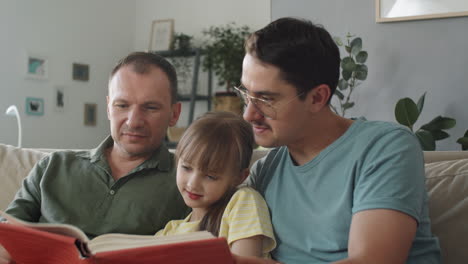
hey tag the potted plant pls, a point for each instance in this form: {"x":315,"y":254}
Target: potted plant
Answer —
{"x":353,"y":72}
{"x":224,"y":52}
{"x":407,"y":113}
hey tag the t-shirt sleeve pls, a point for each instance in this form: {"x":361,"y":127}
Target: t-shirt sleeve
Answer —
{"x":392,"y":175}
{"x":246,"y":215}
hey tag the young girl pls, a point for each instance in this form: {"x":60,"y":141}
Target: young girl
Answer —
{"x":213,"y":159}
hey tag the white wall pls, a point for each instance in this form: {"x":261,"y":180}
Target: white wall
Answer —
{"x":406,"y":59}
{"x":97,"y":33}
{"x":191,"y":18}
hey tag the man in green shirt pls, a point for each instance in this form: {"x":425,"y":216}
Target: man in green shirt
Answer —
{"x":127,"y":184}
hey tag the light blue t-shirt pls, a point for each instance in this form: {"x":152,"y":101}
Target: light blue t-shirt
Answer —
{"x":373,"y":165}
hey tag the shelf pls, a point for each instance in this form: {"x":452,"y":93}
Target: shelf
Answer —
{"x":178,"y":53}
{"x":193,"y":97}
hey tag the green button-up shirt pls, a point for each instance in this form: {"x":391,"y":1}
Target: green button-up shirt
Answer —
{"x":77,"y":188}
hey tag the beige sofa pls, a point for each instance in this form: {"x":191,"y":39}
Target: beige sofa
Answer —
{"x":447,"y":184}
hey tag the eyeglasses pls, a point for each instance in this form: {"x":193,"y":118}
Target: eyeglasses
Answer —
{"x":262,"y":106}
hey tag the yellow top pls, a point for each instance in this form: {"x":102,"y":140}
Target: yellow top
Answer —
{"x":246,"y":215}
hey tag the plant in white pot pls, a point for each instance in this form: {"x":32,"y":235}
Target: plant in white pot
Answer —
{"x":224,"y":52}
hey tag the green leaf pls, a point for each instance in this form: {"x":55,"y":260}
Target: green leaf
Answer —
{"x":342,"y":84}
{"x":361,"y":57}
{"x":356,"y":46}
{"x":464,"y":142}
{"x":406,"y":112}
{"x":440,"y":122}
{"x":339,"y":94}
{"x":348,"y":105}
{"x":466,"y":133}
{"x":338,"y":41}
{"x":361,"y":72}
{"x":348,"y":49}
{"x":439,"y":134}
{"x":346,"y":74}
{"x":425,"y":139}
{"x":421,"y":102}
{"x":348,"y":64}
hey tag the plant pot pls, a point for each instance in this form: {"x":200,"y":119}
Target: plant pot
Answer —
{"x":228,"y":101}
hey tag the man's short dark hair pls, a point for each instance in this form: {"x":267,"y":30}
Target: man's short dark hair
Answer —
{"x":304,"y":52}
{"x":141,"y":63}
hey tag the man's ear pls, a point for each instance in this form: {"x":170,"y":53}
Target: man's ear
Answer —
{"x":107,"y":107}
{"x":318,"y":97}
{"x":176,"y":109}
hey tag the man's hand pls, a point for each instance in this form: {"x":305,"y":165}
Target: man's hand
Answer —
{"x":4,"y":256}
{"x":252,"y":260}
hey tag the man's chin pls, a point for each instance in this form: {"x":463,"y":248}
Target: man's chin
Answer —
{"x":137,"y":150}
{"x":265,"y":142}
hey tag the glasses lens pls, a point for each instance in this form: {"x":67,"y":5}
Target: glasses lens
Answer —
{"x":264,"y":108}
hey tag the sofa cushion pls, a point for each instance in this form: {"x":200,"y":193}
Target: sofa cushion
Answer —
{"x":447,"y":185}
{"x":15,"y":164}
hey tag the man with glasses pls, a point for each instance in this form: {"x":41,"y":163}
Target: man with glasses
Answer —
{"x":339,"y":190}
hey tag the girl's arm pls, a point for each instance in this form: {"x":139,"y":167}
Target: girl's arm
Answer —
{"x":252,"y":246}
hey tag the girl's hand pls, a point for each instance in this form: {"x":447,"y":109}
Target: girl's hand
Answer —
{"x":253,"y":260}
{"x":4,"y":256}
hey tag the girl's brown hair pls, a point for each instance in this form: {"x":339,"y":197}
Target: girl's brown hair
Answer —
{"x":213,"y":143}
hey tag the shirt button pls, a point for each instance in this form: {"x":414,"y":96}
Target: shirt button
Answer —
{"x":112,"y":192}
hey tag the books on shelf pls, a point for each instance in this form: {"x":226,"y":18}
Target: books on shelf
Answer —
{"x":39,"y":243}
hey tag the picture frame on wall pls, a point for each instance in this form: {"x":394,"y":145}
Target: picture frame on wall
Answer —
{"x":80,"y":72}
{"x":90,"y":114}
{"x":37,"y":67}
{"x":34,"y":106}
{"x":162,"y":32}
{"x":404,"y":10}
{"x":59,"y":98}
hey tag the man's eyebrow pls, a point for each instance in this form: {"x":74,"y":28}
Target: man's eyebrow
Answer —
{"x":268,"y":93}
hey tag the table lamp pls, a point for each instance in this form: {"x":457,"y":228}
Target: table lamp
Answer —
{"x":12,"y":110}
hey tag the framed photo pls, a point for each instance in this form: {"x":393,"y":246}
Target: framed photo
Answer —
{"x":90,"y":112}
{"x":80,"y":72}
{"x":37,"y":67}
{"x":402,"y":10}
{"x":59,"y":98}
{"x":162,"y":32}
{"x":34,"y":106}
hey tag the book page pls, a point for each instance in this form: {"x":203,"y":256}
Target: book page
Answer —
{"x":110,"y":242}
{"x":61,"y":229}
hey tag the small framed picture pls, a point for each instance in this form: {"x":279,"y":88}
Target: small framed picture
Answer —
{"x":80,"y":72}
{"x":162,"y":32}
{"x":37,"y":67}
{"x":90,"y":112}
{"x":34,"y":106}
{"x":59,"y":98}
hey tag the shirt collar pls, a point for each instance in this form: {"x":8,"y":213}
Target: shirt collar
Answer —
{"x":161,"y":158}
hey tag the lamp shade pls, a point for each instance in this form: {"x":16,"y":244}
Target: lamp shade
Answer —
{"x":12,"y":110}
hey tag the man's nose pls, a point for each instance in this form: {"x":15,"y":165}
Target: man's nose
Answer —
{"x":251,"y":113}
{"x":135,"y":118}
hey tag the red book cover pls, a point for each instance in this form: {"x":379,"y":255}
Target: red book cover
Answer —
{"x":28,"y":245}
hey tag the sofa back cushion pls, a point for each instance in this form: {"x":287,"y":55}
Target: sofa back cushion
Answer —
{"x":447,"y":185}
{"x":15,"y":164}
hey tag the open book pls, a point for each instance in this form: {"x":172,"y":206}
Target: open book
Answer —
{"x":39,"y":243}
